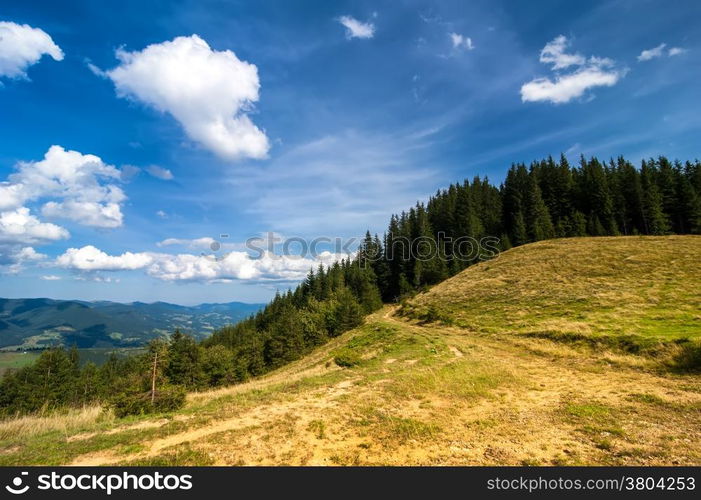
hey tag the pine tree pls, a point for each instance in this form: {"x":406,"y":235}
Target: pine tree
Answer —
{"x":656,"y":221}
{"x":538,"y":223}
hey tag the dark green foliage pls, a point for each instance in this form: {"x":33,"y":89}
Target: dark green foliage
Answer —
{"x":166,"y":399}
{"x":347,"y":358}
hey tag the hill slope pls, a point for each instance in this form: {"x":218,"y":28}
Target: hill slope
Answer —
{"x":420,"y":393}
{"x":32,"y":323}
{"x":647,"y":289}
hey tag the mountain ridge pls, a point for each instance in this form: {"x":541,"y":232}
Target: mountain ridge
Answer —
{"x":36,"y":323}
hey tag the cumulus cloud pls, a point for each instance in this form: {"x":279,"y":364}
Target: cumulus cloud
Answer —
{"x":191,"y":267}
{"x":50,"y":277}
{"x":235,"y":266}
{"x":22,"y":46}
{"x":587,"y":74}
{"x":675,"y":51}
{"x":19,"y":226}
{"x":461,"y":42}
{"x":160,"y":172}
{"x":13,"y":258}
{"x":658,"y":51}
{"x":65,"y":184}
{"x":89,"y":258}
{"x":357,"y":29}
{"x":77,"y":180}
{"x":209,"y":92}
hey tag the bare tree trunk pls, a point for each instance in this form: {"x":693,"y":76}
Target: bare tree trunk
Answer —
{"x":153,"y":378}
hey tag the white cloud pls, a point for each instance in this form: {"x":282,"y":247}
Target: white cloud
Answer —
{"x":13,"y":258}
{"x":22,"y":46}
{"x":160,"y":172}
{"x":235,"y":265}
{"x":50,"y":277}
{"x":75,"y":179}
{"x":660,"y":51}
{"x":567,"y":87}
{"x":461,"y":42}
{"x":190,"y":267}
{"x":89,"y":258}
{"x":162,"y":214}
{"x":554,"y":53}
{"x":97,"y":278}
{"x":88,"y":213}
{"x":201,"y":243}
{"x":589,"y":73}
{"x":20,"y":227}
{"x":209,"y":92}
{"x":649,"y":54}
{"x":357,"y":29}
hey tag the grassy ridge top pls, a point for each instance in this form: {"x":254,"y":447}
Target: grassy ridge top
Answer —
{"x":646,"y":286}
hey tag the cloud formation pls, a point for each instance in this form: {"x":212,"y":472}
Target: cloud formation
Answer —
{"x":648,"y":54}
{"x":200,"y":243}
{"x":70,"y":185}
{"x":357,"y":29}
{"x":190,"y":267}
{"x":13,"y":258}
{"x":461,"y":42}
{"x":209,"y":92}
{"x":19,"y":226}
{"x":160,"y":172}
{"x":90,"y":258}
{"x":588,"y":73}
{"x":22,"y":46}
{"x":78,"y":181}
{"x":659,"y":51}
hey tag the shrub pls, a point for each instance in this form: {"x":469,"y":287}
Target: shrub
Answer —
{"x":346,"y":358}
{"x":167,"y":399}
{"x":689,"y":356}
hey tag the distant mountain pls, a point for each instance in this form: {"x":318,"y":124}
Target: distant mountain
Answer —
{"x":37,"y":323}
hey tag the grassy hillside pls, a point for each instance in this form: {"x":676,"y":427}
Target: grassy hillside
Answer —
{"x":399,"y":390}
{"x":638,"y":292}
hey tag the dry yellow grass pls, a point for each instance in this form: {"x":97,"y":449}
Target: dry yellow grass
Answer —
{"x":436,"y":395}
{"x":65,"y":422}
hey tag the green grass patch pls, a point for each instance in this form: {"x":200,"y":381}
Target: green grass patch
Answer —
{"x":181,"y":456}
{"x":346,"y":358}
{"x":318,"y":428}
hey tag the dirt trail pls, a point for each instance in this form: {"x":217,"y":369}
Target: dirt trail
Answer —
{"x":559,"y":406}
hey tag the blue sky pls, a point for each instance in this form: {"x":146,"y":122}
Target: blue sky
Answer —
{"x":306,"y":119}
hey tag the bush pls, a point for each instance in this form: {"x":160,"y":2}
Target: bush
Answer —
{"x":434,"y":315}
{"x":347,"y":358}
{"x":139,"y":403}
{"x":689,"y":356}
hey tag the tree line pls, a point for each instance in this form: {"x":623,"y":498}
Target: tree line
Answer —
{"x":547,"y":199}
